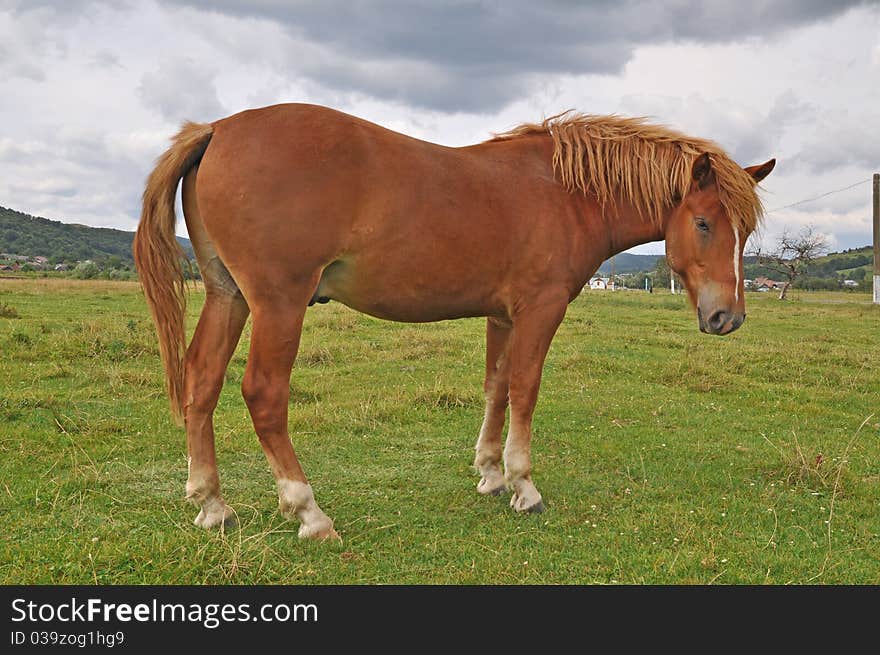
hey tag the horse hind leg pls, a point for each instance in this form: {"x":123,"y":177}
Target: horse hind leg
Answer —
{"x":488,"y":456}
{"x":216,"y":336}
{"x":207,"y":357}
{"x":277,"y":326}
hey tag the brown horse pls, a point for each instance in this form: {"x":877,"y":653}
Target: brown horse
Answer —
{"x":293,"y":204}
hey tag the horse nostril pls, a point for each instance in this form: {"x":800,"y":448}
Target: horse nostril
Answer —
{"x":717,"y":320}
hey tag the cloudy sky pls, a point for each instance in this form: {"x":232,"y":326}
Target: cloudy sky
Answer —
{"x":93,"y":89}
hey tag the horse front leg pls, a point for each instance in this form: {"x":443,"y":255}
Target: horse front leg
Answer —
{"x":488,"y":456}
{"x":533,"y":330}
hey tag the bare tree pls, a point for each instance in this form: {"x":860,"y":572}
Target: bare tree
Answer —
{"x":792,"y":255}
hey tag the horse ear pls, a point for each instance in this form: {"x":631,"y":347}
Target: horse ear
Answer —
{"x":702,"y":171}
{"x":760,"y":171}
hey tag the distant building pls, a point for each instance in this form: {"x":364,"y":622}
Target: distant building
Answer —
{"x":601,"y":283}
{"x":850,"y":283}
{"x":61,"y":267}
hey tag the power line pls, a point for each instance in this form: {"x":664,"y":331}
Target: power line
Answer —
{"x":827,"y":193}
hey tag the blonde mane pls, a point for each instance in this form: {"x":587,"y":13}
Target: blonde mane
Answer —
{"x":649,"y":166}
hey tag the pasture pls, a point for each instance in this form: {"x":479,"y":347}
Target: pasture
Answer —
{"x":664,"y":455}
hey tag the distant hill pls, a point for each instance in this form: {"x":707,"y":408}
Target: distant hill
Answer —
{"x":23,"y":234}
{"x":628,"y":263}
{"x":846,"y":261}
{"x":854,"y":264}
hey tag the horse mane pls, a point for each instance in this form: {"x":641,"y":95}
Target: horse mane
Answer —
{"x":647,"y":165}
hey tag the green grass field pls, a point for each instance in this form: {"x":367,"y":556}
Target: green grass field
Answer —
{"x":663,"y":455}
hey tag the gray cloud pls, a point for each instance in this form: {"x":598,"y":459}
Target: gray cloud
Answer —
{"x":40,"y":30}
{"x":842,"y":140}
{"x":478,"y":56}
{"x":106,"y":60}
{"x":62,"y":187}
{"x":750,"y":136}
{"x":13,"y":152}
{"x":181,"y":88}
{"x":760,"y":138}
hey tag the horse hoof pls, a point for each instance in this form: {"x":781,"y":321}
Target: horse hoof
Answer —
{"x":323,"y":533}
{"x":492,"y":486}
{"x":332,"y":535}
{"x":327,"y":535}
{"x":526,"y":499}
{"x":213,"y":515}
{"x":537,"y":508}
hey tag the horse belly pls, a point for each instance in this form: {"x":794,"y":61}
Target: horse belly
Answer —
{"x":408,"y":296}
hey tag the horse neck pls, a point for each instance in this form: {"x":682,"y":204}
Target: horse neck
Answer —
{"x":627,"y":228}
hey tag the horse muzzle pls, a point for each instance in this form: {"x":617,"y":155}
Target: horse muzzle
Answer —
{"x":720,"y":321}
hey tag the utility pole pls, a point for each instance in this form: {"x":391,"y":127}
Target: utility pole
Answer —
{"x":877,"y":238}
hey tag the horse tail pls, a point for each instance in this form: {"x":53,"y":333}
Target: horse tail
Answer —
{"x":159,"y":257}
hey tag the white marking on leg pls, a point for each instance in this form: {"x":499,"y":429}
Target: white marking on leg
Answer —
{"x":736,"y":262}
{"x":214,"y":512}
{"x":488,"y":461}
{"x":517,"y":464}
{"x":205,"y":492}
{"x":295,"y":498}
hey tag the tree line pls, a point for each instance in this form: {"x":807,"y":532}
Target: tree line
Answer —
{"x":87,"y":252}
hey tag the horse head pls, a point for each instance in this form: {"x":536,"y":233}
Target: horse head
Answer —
{"x":705,"y":247}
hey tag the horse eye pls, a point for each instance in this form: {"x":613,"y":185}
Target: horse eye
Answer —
{"x":701,"y":223}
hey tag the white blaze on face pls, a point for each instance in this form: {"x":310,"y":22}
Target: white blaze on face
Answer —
{"x":736,"y":261}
